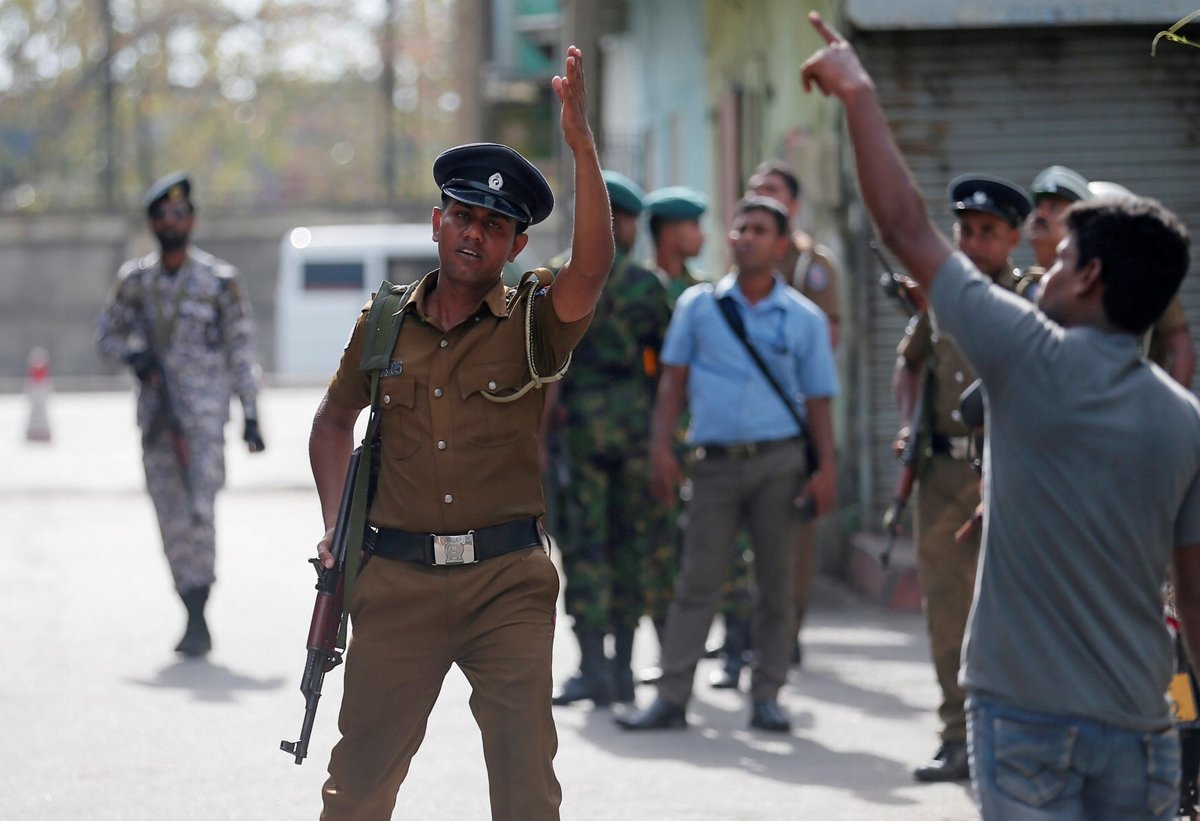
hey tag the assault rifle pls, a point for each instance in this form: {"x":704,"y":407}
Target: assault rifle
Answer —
{"x":908,"y":295}
{"x":327,"y":616}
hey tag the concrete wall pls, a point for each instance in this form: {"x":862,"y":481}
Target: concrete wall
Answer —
{"x":56,"y":272}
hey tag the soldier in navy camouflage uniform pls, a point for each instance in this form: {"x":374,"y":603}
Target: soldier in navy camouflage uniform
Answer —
{"x":179,"y":320}
{"x":603,"y":420}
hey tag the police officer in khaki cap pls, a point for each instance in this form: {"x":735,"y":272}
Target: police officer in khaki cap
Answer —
{"x":459,"y":468}
{"x":989,"y":213}
{"x":1054,"y":190}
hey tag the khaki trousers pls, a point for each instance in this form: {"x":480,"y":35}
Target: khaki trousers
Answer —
{"x":495,"y":620}
{"x":947,"y":494}
{"x":757,"y":493}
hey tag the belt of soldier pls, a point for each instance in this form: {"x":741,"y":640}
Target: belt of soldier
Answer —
{"x":956,"y":447}
{"x":743,"y":450}
{"x":458,"y":548}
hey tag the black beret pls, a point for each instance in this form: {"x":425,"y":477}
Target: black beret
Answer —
{"x":174,"y":186}
{"x":992,"y":195}
{"x":494,"y":176}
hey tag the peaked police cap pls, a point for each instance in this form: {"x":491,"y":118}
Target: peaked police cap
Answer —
{"x":992,"y":195}
{"x":494,"y":176}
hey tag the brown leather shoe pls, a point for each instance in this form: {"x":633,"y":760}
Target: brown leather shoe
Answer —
{"x":949,"y":763}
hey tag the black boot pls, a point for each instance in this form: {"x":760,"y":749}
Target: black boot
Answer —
{"x":196,"y":641}
{"x":732,"y":658}
{"x":622,"y":672}
{"x":592,"y":682}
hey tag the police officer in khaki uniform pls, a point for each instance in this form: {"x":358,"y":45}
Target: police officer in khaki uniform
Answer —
{"x":990,"y":212}
{"x":457,"y":460}
{"x":179,"y":320}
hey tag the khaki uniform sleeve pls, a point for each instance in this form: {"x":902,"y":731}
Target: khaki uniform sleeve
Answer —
{"x":351,"y":386}
{"x":1172,"y":320}
{"x":916,"y":346}
{"x":821,"y":282}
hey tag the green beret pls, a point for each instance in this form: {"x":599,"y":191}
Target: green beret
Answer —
{"x":676,"y":203}
{"x":623,"y":193}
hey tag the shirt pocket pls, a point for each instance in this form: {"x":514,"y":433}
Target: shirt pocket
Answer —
{"x":487,"y":423}
{"x":198,"y":323}
{"x":397,"y":402}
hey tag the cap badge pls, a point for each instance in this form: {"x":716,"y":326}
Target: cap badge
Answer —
{"x":495,"y":182}
{"x":979,"y":198}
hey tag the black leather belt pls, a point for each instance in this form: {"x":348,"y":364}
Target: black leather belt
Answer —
{"x":460,"y":548}
{"x":956,"y":447}
{"x":743,"y":450}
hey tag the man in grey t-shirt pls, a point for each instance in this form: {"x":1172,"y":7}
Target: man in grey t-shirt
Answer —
{"x":1067,"y":659}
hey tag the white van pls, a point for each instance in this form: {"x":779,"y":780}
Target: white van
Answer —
{"x":326,"y":274}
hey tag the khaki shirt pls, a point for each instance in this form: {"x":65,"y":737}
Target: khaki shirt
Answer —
{"x":1172,"y":320}
{"x":952,"y":373}
{"x":452,"y":460}
{"x":809,"y":269}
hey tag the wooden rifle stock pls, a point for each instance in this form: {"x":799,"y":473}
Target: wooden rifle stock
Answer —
{"x":909,"y":460}
{"x":326,"y":617}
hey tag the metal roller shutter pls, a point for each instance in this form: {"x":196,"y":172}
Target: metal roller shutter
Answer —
{"x":1009,"y":102}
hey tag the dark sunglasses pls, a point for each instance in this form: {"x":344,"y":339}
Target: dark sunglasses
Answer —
{"x":179,"y":212}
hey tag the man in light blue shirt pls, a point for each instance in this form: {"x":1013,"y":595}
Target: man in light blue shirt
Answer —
{"x":750,"y":467}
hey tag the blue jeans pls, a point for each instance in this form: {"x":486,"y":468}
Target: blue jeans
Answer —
{"x":1029,"y":766}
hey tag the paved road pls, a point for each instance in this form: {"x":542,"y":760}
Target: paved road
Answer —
{"x":99,"y":720}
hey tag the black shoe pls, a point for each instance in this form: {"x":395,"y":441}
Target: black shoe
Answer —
{"x":584,"y":688}
{"x":950,"y":763}
{"x":727,"y":676}
{"x":766,"y":714}
{"x":196,"y":640}
{"x":660,"y":715}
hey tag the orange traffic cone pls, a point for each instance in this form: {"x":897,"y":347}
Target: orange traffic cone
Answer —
{"x":37,"y":388}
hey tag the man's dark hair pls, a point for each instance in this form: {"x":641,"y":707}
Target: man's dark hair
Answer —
{"x":767,"y":206}
{"x":446,"y":200}
{"x":1143,"y":253}
{"x":656,"y":225}
{"x":782,"y":170}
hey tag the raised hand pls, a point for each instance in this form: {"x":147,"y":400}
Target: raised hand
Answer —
{"x":835,"y":69}
{"x":572,"y":93}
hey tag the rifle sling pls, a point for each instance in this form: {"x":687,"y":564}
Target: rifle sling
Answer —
{"x":379,"y":340}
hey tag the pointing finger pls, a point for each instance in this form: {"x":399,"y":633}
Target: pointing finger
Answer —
{"x":825,"y":30}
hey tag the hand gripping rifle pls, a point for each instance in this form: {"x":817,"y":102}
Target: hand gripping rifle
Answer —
{"x":327,"y":615}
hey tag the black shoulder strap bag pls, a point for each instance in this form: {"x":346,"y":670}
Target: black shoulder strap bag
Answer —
{"x":733,"y":316}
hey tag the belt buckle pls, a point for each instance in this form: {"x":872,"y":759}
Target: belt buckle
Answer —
{"x":456,"y":549}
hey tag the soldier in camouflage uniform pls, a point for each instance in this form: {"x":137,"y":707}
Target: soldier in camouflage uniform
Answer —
{"x":179,"y":320}
{"x":603,"y":415}
{"x":675,"y":229}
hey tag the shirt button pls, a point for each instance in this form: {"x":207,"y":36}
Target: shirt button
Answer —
{"x":387,"y":398}
{"x":447,"y":498}
{"x":492,"y":385}
{"x":958,"y":376}
{"x":441,"y":444}
{"x":443,"y":343}
{"x":437,"y":392}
